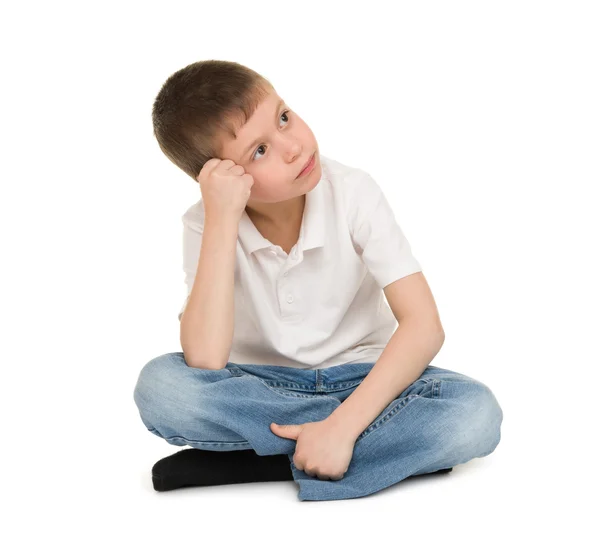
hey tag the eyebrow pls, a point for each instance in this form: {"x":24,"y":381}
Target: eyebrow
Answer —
{"x":244,"y":154}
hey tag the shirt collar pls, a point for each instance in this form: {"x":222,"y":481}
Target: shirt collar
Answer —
{"x":312,"y":231}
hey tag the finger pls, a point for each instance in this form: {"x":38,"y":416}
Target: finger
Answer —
{"x":237,"y":170}
{"x":313,"y":473}
{"x":208,"y":167}
{"x":227,"y":164}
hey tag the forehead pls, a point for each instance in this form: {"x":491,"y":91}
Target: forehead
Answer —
{"x":260,"y":116}
{"x":241,"y":132}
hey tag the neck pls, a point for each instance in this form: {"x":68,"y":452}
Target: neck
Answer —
{"x":281,"y":214}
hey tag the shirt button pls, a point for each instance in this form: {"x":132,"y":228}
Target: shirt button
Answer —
{"x":285,"y":274}
{"x":273,"y":252}
{"x":290,"y":299}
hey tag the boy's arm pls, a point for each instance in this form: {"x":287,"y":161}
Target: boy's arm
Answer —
{"x":415,"y":343}
{"x":206,"y":328}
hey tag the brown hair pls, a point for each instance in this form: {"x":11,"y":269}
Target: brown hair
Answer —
{"x":200,"y":102}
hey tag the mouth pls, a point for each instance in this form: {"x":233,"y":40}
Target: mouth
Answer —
{"x":308,"y":166}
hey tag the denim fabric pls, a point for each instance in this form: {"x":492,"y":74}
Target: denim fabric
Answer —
{"x":441,"y":420}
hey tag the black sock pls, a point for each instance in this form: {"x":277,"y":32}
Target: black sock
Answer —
{"x":197,"y":467}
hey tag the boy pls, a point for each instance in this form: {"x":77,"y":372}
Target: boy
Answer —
{"x":293,"y":249}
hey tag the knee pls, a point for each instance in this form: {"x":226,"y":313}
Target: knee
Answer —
{"x":483,"y":424}
{"x":475,"y":416}
{"x":156,"y":378}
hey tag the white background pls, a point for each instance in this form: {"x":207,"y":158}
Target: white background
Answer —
{"x":479,"y":119}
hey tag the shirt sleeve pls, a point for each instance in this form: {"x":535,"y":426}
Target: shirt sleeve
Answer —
{"x":192,"y":240}
{"x":376,"y":234}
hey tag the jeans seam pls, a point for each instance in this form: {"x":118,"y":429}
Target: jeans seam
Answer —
{"x":272,"y":389}
{"x":335,"y":387}
{"x":403,"y":402}
{"x":388,"y":415}
{"x":206,"y":442}
{"x":287,"y":394}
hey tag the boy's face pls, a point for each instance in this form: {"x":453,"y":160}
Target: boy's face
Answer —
{"x":273,"y":146}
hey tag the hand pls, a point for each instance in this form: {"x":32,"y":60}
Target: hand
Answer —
{"x":225,"y":188}
{"x":322,"y":449}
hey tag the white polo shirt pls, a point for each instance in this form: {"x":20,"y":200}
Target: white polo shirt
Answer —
{"x":323,"y":305}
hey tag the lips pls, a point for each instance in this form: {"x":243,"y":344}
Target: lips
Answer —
{"x":306,"y":165}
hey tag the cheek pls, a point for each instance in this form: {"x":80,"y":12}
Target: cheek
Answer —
{"x":269,"y":187}
{"x":269,"y":176}
{"x":262,"y":184}
{"x":306,"y":131}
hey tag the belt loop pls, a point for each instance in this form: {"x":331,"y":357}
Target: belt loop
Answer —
{"x":318,"y":381}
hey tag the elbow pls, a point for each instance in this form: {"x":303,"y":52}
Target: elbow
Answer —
{"x":439,"y":334}
{"x":434,"y":333}
{"x":442,"y":335}
{"x":441,"y":341}
{"x":430,"y":328}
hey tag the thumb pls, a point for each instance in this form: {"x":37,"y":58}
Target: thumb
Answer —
{"x":289,"y":431}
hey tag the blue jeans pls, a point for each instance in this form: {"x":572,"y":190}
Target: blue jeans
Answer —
{"x":441,"y":420}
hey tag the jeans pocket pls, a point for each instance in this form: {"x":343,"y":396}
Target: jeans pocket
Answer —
{"x":418,"y":387}
{"x":393,"y":407}
{"x":424,"y":387}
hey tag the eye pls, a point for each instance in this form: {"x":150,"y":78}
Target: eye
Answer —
{"x":285,"y":112}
